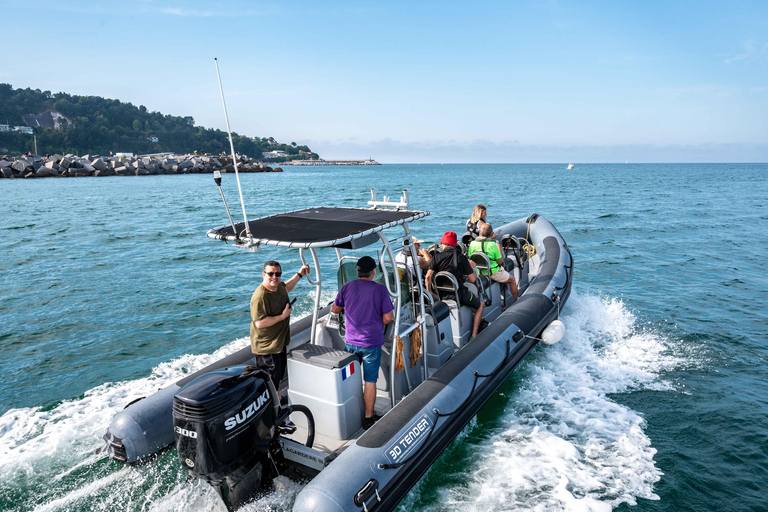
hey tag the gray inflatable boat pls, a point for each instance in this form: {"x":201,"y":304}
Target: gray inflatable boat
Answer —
{"x":227,"y":420}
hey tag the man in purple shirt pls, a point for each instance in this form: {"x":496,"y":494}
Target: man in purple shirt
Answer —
{"x":367,"y":310}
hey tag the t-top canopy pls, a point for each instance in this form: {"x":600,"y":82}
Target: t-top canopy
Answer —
{"x":318,"y":227}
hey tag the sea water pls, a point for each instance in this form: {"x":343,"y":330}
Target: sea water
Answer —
{"x":655,"y":399}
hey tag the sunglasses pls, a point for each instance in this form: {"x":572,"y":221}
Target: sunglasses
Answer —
{"x":274,"y":274}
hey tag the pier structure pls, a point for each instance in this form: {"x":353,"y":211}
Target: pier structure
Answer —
{"x":369,"y":161}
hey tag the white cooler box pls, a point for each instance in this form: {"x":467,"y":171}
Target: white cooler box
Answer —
{"x":330,"y":383}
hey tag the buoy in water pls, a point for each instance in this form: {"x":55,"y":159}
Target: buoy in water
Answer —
{"x":553,"y":333}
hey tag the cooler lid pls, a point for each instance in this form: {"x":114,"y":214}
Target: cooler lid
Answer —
{"x":325,"y":357}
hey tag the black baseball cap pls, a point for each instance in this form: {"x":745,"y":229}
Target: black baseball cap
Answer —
{"x":365,"y":264}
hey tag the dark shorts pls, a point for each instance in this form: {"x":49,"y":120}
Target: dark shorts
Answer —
{"x":274,"y":365}
{"x":371,"y":357}
{"x":467,"y":298}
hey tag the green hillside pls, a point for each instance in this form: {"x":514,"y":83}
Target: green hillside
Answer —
{"x":99,"y":125}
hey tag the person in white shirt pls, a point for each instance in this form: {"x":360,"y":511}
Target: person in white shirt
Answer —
{"x":406,"y":259}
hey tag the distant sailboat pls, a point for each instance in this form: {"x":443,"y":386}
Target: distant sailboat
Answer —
{"x":570,"y":166}
{"x":627,"y":161}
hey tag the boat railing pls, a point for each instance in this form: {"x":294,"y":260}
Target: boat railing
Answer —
{"x":420,"y":284}
{"x":318,"y":284}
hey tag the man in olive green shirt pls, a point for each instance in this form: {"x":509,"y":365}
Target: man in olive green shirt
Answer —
{"x":271,"y":320}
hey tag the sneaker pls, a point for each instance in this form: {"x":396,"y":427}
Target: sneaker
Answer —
{"x":368,"y":422}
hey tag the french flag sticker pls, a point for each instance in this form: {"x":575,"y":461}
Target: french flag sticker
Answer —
{"x":348,"y":371}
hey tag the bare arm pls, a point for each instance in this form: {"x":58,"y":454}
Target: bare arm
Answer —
{"x":428,"y":279}
{"x":387,"y":318}
{"x":424,"y":259}
{"x":336,"y":309}
{"x":471,"y":277}
{"x":293,"y":281}
{"x":269,"y":321}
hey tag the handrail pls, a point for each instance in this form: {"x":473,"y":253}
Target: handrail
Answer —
{"x":451,"y":278}
{"x":485,"y":261}
{"x":419,"y":283}
{"x":412,"y":327}
{"x":393,"y":352}
{"x":394,"y":294}
{"x":318,"y":287}
{"x":317,"y":267}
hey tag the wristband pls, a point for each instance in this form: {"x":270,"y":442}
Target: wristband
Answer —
{"x":299,"y":274}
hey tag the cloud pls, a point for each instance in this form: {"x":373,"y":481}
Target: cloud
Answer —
{"x":194,"y":13}
{"x":752,"y":53}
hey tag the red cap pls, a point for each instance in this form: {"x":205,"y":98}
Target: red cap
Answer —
{"x":449,"y":238}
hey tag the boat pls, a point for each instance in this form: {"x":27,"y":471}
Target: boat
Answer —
{"x":570,"y":166}
{"x":227,"y":422}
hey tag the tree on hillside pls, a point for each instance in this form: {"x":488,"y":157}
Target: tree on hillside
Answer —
{"x":100,"y":125}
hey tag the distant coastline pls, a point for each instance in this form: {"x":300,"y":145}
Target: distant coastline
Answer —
{"x":369,"y":161}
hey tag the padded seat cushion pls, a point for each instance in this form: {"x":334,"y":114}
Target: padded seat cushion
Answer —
{"x":441,"y":311}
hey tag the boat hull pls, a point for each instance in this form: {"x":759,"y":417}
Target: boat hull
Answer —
{"x":382,"y":465}
{"x":400,"y":448}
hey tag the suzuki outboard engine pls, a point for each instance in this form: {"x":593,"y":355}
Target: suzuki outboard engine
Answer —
{"x":224,"y":423}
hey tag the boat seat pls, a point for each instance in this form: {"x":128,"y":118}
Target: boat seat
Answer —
{"x":483,"y":263}
{"x":510,"y":244}
{"x":441,"y":311}
{"x":467,"y":238}
{"x":440,"y":343}
{"x":445,"y":285}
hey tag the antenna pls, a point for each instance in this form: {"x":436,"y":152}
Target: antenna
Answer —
{"x":234,"y":159}
{"x":217,"y":179}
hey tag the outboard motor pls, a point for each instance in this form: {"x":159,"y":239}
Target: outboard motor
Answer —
{"x":224,"y":424}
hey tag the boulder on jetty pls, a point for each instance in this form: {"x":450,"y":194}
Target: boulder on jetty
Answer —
{"x":6,"y":171}
{"x":72,"y":166}
{"x":21,"y":166}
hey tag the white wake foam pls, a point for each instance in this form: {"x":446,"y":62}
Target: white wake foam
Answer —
{"x":43,"y":447}
{"x":565,"y":444}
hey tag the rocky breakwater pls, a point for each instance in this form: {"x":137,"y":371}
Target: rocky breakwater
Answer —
{"x":71,"y":166}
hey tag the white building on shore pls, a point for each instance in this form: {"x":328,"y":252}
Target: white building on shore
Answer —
{"x":267,"y":155}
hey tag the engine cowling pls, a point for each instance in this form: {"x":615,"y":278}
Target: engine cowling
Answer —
{"x":223,"y":422}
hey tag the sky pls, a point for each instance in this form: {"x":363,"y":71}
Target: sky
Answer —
{"x":422,"y":82}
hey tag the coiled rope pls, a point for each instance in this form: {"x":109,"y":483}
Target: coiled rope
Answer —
{"x":415,"y":345}
{"x":415,"y":349}
{"x":399,"y":365}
